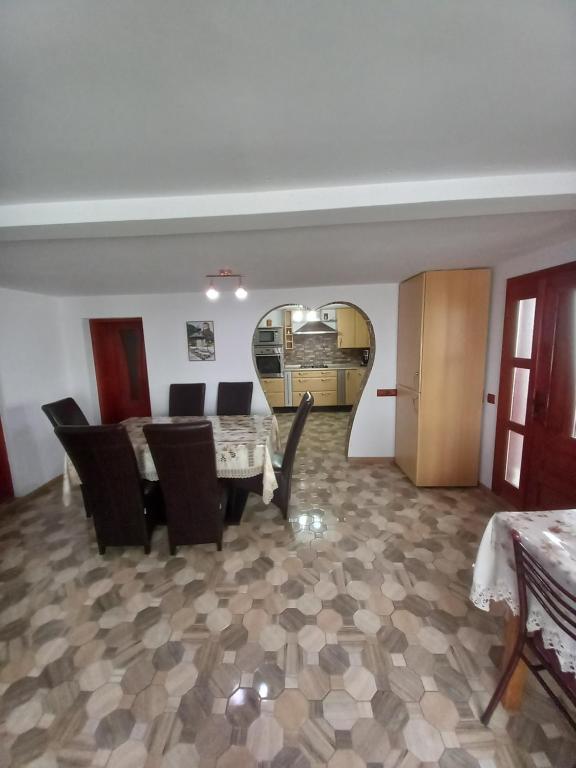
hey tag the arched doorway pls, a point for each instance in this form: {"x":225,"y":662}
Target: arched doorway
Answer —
{"x":328,"y":350}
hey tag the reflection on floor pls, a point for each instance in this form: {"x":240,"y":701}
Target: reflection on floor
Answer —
{"x":343,"y":638}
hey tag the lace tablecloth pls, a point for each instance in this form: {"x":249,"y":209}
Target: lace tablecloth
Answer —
{"x":244,"y":447}
{"x":551,"y":538}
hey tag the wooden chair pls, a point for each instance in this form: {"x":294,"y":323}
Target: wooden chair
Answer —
{"x":125,"y":508}
{"x":283,"y":464}
{"x":560,"y":605}
{"x":234,"y":398}
{"x":186,"y":399}
{"x":186,"y":465}
{"x":65,"y":413}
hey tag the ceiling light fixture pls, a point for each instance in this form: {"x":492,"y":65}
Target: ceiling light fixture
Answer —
{"x":241,"y":293}
{"x":213,"y":293}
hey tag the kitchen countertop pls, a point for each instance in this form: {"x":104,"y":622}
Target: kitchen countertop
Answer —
{"x":334,"y":367}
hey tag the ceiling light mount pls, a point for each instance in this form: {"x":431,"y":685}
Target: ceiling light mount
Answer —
{"x":213,"y":293}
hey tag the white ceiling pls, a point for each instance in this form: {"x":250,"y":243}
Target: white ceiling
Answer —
{"x":141,"y":97}
{"x":102,"y":102}
{"x":335,"y":255}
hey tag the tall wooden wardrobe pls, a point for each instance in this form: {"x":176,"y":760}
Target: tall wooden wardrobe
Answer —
{"x":442,"y":329}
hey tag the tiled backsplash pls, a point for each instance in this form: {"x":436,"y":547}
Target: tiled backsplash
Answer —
{"x":320,"y":348}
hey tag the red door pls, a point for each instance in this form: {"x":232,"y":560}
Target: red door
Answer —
{"x":535,"y":451}
{"x":121,"y":372}
{"x":6,"y":488}
{"x":551,"y":481}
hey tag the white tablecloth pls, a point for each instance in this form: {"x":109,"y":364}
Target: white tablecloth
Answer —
{"x":243,"y":444}
{"x":551,"y":538}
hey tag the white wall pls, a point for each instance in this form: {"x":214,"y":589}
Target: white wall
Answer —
{"x":164,"y":319}
{"x":520,"y":265}
{"x":32,"y":372}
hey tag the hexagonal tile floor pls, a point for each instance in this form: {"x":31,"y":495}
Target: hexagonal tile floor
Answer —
{"x":341,"y":638}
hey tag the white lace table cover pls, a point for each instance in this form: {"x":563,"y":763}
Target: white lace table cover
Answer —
{"x":244,"y":447}
{"x":551,"y":538}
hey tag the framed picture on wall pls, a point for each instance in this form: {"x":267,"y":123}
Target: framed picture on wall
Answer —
{"x":200,"y":335}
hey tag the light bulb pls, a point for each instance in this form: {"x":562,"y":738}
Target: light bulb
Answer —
{"x":297,"y":315}
{"x":241,"y":293}
{"x":212,"y":293}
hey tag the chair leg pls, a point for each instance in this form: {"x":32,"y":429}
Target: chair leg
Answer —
{"x":147,"y":549}
{"x":503,"y":682}
{"x":101,"y":549}
{"x":219,"y":545}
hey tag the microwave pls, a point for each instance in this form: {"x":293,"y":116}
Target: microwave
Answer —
{"x":271,"y":337}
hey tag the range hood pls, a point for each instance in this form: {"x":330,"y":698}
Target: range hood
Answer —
{"x":314,"y":327}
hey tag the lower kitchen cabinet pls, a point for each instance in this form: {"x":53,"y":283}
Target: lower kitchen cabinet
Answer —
{"x":320,"y":397}
{"x":354,"y":379}
{"x":274,"y":391}
{"x":322,"y":384}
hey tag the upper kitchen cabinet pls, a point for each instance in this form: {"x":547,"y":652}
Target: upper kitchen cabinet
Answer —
{"x":352,"y":329}
{"x":442,"y":329}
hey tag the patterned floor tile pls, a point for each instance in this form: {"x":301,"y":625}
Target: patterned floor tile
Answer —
{"x":341,"y":637}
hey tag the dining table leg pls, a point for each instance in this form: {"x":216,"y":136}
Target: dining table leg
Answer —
{"x":237,"y":498}
{"x":512,"y":698}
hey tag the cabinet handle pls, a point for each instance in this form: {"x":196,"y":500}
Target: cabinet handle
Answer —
{"x":416,"y":377}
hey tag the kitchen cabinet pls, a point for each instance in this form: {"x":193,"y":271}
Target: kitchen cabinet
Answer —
{"x":274,"y":391}
{"x":354,"y":379}
{"x":321,"y":383}
{"x":288,"y":330}
{"x":352,"y":329}
{"x":442,"y":328}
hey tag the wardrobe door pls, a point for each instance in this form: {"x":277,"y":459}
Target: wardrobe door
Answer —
{"x":406,"y":453}
{"x":452,"y":377}
{"x":410,"y":309}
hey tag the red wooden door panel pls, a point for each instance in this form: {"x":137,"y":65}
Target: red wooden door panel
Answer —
{"x":551,"y":477}
{"x":514,"y":420}
{"x":120,"y":365}
{"x":535,"y":450}
{"x":6,"y":487}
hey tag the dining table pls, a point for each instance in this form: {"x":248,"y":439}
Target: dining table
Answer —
{"x":550,"y":536}
{"x":244,"y":446}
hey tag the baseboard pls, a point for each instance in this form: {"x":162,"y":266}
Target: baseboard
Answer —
{"x":506,"y":505}
{"x":371,"y":460}
{"x":19,"y":501}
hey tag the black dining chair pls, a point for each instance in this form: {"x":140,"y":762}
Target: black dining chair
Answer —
{"x":125,"y":508}
{"x":195,"y":500}
{"x":65,"y":413}
{"x":186,"y":399}
{"x":560,"y":605}
{"x":283,"y":464}
{"x":234,"y":398}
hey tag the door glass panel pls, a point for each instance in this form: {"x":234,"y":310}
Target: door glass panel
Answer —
{"x":525,"y":328}
{"x":514,"y":458}
{"x":519,"y":401}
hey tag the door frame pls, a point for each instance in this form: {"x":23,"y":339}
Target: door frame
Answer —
{"x":529,"y":285}
{"x":99,"y":322}
{"x":6,"y":485}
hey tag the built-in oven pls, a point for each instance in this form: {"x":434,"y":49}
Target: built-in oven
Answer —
{"x":271,"y":337}
{"x":269,"y":361}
